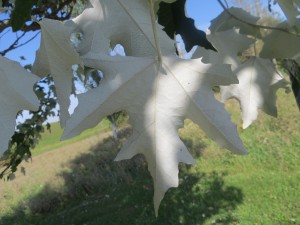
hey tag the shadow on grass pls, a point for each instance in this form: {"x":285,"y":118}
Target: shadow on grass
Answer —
{"x":99,"y":191}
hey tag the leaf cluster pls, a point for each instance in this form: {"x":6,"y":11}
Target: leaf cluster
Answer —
{"x":28,"y":133}
{"x":157,"y":88}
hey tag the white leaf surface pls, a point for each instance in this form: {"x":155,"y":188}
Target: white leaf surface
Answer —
{"x":157,"y":99}
{"x":279,"y":44}
{"x":14,"y":96}
{"x":291,"y":9}
{"x":258,"y":82}
{"x":155,"y":87}
{"x":228,"y":44}
{"x":107,"y":23}
{"x":56,"y":57}
{"x":225,"y":22}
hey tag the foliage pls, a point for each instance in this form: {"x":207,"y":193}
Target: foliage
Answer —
{"x":28,"y":133}
{"x":21,"y":14}
{"x":156,"y":87}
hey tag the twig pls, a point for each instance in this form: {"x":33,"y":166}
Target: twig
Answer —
{"x":227,"y":6}
{"x":256,"y":25}
{"x":4,"y":34}
{"x":15,"y":45}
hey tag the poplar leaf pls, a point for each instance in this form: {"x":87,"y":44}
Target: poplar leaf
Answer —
{"x":157,"y":99}
{"x":155,"y":87}
{"x":107,"y":23}
{"x":291,"y":9}
{"x":56,"y":56}
{"x":278,"y":44}
{"x":14,"y":96}
{"x":240,"y":18}
{"x":228,"y":43}
{"x":258,"y":82}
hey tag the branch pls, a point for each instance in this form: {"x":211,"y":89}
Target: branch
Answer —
{"x":15,"y":45}
{"x":256,"y":25}
{"x":39,"y":13}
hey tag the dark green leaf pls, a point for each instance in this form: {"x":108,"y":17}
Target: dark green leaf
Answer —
{"x":172,"y":17}
{"x":21,"y":13}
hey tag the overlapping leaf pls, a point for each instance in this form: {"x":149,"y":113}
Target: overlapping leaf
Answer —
{"x":56,"y":56}
{"x":238,"y":18}
{"x":291,"y":9}
{"x":278,"y":44}
{"x":106,"y":23}
{"x":14,"y":96}
{"x":228,"y":43}
{"x":258,"y":83}
{"x":155,"y":87}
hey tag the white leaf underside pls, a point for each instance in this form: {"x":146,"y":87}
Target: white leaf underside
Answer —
{"x":157,"y":100}
{"x":291,"y":9}
{"x":56,"y":57}
{"x":226,"y":22}
{"x":228,"y":44}
{"x":258,"y":78}
{"x":258,"y":82}
{"x":155,"y":87}
{"x":124,"y":22}
{"x":278,"y":44}
{"x":14,"y":96}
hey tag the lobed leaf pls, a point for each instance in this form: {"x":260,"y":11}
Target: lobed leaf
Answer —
{"x":14,"y":96}
{"x":56,"y":56}
{"x":258,"y":82}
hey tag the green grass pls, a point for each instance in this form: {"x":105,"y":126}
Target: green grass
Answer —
{"x":89,"y":188}
{"x":52,"y":139}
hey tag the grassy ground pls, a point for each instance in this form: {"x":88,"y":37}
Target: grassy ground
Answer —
{"x":51,"y":140}
{"x":78,"y":183}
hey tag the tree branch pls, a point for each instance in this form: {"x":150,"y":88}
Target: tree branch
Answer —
{"x":15,"y":44}
{"x":256,"y":25}
{"x":57,"y":13}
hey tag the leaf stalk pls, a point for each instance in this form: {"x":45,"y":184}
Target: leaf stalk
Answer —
{"x":153,"y":22}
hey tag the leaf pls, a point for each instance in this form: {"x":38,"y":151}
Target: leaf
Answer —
{"x":107,"y":23}
{"x":156,"y":88}
{"x":21,"y":14}
{"x":56,"y":57}
{"x":14,"y":96}
{"x":173,"y":18}
{"x":258,"y":83}
{"x":238,"y":18}
{"x":228,"y":43}
{"x":157,"y":99}
{"x":291,"y":9}
{"x":278,"y":44}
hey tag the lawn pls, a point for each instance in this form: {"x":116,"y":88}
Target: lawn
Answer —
{"x":77,"y":182}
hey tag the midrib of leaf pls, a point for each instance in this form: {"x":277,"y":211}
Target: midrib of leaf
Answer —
{"x":154,"y":29}
{"x":156,"y":47}
{"x":57,"y":45}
